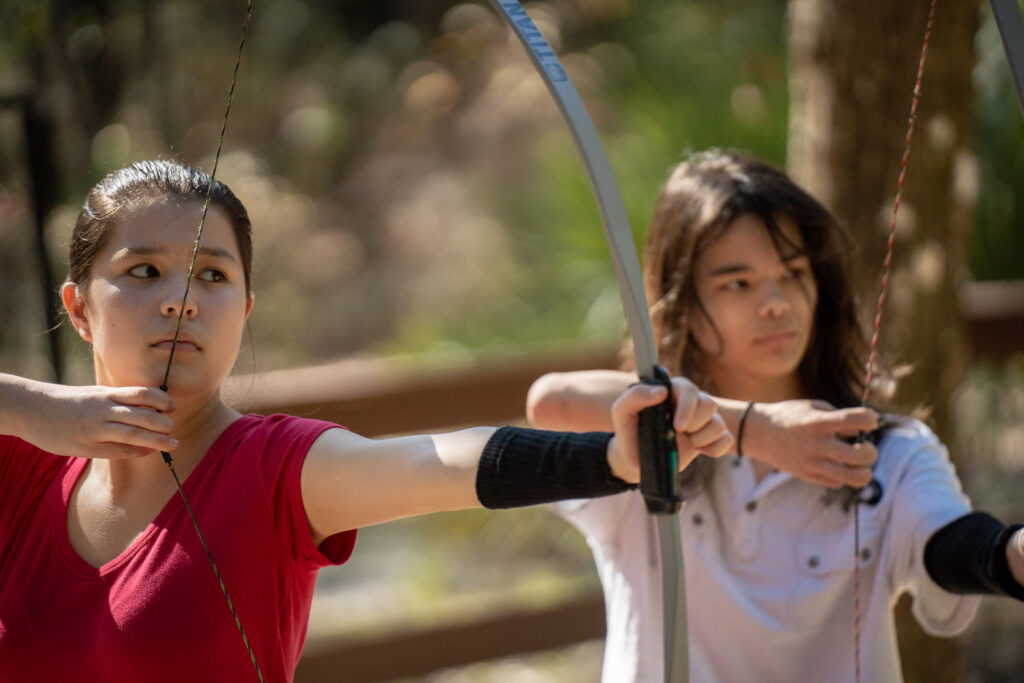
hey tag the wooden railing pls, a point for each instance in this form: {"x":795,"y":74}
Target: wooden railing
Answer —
{"x":379,"y":397}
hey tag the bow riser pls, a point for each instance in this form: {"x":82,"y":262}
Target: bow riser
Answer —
{"x":658,"y":455}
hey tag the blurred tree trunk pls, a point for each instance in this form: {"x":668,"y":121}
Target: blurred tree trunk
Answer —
{"x":852,"y":70}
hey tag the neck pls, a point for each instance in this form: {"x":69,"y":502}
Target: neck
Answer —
{"x":196,"y":430}
{"x":746,"y":388}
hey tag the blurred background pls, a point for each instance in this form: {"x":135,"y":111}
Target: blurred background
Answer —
{"x":420,"y":210}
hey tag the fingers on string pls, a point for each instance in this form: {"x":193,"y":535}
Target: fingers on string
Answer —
{"x":143,"y":418}
{"x":834,"y":475}
{"x":841,"y":464}
{"x":849,"y":421}
{"x":144,"y":397}
{"x":856,"y":455}
{"x":139,"y":436}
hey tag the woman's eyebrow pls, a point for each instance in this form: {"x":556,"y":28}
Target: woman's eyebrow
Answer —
{"x":130,"y":251}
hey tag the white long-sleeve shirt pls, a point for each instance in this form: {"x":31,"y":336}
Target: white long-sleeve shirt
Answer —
{"x":770,"y":571}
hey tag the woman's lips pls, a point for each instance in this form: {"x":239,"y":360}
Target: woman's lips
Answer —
{"x":183,"y":345}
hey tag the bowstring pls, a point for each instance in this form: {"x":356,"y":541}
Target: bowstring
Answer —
{"x":870,"y":364}
{"x":177,"y":330}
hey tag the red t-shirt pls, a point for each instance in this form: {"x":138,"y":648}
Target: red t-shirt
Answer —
{"x":156,"y":611}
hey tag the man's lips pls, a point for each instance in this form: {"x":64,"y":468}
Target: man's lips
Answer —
{"x":771,"y":338}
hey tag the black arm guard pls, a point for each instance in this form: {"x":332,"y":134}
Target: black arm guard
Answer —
{"x":521,"y":467}
{"x":968,"y":555}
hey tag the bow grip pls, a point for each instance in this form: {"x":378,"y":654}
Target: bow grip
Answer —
{"x":659,"y":456}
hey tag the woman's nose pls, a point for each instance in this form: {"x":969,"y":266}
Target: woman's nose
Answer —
{"x":175,"y":300}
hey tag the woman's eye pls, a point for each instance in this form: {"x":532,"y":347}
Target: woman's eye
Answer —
{"x":212,"y":275}
{"x":144,"y":270}
{"x":796,"y":273}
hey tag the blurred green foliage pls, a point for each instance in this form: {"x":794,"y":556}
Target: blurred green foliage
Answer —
{"x":413,"y":187}
{"x":676,"y":77}
{"x":998,"y":238}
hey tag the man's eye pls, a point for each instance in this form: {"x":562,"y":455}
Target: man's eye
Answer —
{"x":143,"y":271}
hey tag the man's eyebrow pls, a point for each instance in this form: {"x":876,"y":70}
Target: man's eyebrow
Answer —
{"x":734,"y":268}
{"x":215,"y":252}
{"x":794,"y":255}
{"x":729,"y":269}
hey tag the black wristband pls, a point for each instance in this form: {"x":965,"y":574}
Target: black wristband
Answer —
{"x":739,"y":430}
{"x":522,"y":466}
{"x":968,"y":555}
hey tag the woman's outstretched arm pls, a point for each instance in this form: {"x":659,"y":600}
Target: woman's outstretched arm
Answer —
{"x":349,"y":481}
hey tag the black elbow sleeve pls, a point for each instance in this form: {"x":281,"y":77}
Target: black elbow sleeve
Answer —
{"x":968,"y":555}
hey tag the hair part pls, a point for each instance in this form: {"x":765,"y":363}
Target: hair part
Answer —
{"x":141,"y":184}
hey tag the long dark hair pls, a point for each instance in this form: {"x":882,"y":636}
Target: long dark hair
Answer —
{"x":699,"y":201}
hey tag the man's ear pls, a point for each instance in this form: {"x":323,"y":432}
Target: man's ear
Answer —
{"x":74,"y":304}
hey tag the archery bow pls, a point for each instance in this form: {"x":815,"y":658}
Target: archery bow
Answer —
{"x":177,"y":330}
{"x":659,"y":459}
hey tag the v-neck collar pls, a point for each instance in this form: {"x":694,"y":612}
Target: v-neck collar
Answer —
{"x":59,"y":497}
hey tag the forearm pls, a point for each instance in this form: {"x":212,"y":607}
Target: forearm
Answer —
{"x":516,"y":467}
{"x":349,"y":481}
{"x":18,"y":398}
{"x":576,"y":401}
{"x":799,"y":437}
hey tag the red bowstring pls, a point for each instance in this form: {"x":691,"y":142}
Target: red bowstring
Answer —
{"x":869,"y":367}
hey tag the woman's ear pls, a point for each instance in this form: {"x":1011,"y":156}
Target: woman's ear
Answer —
{"x":74,"y":304}
{"x":249,"y":304}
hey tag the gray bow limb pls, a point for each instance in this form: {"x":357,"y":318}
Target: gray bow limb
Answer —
{"x":1011,"y":29}
{"x":627,"y":269}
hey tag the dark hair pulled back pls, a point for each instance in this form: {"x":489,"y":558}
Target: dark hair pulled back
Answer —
{"x":138,"y":185}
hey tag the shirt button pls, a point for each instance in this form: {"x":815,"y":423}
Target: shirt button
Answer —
{"x":813,"y":561}
{"x":698,"y":519}
{"x":865,"y":554}
{"x":750,"y":506}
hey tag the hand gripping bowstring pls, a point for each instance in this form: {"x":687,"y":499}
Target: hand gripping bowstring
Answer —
{"x":658,"y":456}
{"x":177,"y":331}
{"x":869,"y":367}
